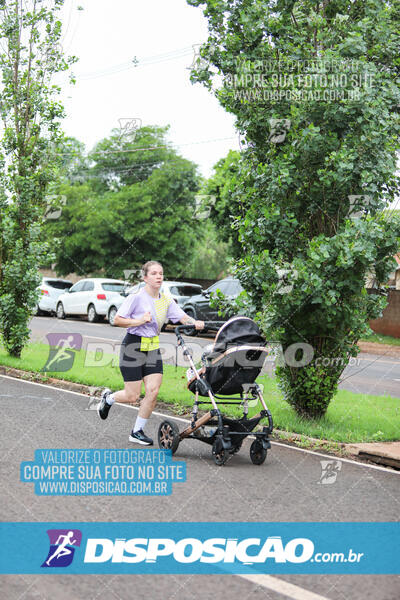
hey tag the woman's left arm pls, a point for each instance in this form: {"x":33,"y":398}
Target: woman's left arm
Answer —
{"x":187,"y":320}
{"x":177,"y":315}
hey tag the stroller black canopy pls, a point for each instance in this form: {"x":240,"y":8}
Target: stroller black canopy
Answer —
{"x":236,"y":358}
{"x":238,"y":331}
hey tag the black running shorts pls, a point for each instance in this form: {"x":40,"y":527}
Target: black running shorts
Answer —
{"x":135,"y":364}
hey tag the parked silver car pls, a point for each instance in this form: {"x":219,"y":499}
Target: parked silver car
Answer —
{"x":49,"y":291}
{"x":89,"y":297}
{"x":179,"y":290}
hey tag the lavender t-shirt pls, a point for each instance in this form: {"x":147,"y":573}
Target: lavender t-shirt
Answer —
{"x":161,"y":309}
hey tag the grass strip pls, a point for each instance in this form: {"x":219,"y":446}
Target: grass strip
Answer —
{"x":350,"y":417}
{"x":379,"y":338}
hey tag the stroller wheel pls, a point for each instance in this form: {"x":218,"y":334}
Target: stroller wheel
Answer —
{"x":258,"y":453}
{"x":220,"y":455}
{"x":236,"y":448}
{"x":168,"y":436}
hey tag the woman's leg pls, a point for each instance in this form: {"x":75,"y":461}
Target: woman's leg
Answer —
{"x":131,"y":367}
{"x":130,"y":394}
{"x":151,"y":385}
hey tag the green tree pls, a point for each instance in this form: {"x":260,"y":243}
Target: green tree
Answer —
{"x":210,"y":256}
{"x":128,"y":157}
{"x":317,"y":173}
{"x":120,"y":230}
{"x":73,"y":164}
{"x":30,"y":56}
{"x":227,"y":207}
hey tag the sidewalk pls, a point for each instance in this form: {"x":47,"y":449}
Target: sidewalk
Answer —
{"x":383,"y":453}
{"x":375,"y":348}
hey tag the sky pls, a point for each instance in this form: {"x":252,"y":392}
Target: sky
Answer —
{"x":106,"y":37}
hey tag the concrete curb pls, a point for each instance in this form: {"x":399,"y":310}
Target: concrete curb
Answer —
{"x":39,"y":378}
{"x":375,"y":348}
{"x":382,"y":453}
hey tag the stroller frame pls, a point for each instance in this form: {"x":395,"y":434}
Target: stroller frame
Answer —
{"x":229,"y":433}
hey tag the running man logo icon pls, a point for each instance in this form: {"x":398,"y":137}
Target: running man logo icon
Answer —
{"x":62,"y":547}
{"x":330,"y":470}
{"x":204,"y":204}
{"x":244,"y":142}
{"x":278,"y":130}
{"x":54,"y":206}
{"x":128,"y":128}
{"x":62,"y":348}
{"x":93,"y":400}
{"x":250,"y":392}
{"x":132,"y":275}
{"x":199,"y":62}
{"x":361,"y":202}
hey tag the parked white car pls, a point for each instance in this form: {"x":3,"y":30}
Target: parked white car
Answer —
{"x":179,"y":290}
{"x":89,"y":297}
{"x":49,"y":291}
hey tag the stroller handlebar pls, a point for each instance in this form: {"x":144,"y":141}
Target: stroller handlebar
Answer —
{"x":214,"y":325}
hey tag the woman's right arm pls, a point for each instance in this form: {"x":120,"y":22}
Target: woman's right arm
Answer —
{"x":124,"y":322}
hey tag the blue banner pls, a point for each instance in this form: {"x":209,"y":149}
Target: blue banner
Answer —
{"x":200,"y":548}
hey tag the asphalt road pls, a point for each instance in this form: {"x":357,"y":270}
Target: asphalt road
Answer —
{"x":376,"y":375}
{"x":285,"y":488}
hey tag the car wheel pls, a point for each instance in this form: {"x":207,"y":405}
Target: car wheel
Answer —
{"x":111,"y":315}
{"x":60,"y":311}
{"x":190,"y":330}
{"x":92,"y":316}
{"x":37,"y":312}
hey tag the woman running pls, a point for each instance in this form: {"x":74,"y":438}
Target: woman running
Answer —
{"x":143,"y":314}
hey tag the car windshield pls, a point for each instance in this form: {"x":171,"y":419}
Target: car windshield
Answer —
{"x":185,"y":290}
{"x":59,"y":285}
{"x":235,"y":287}
{"x":136,"y":288}
{"x":113,"y":287}
{"x":219,"y":285}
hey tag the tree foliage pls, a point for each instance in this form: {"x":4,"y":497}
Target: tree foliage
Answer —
{"x":30,"y":56}
{"x":145,"y":214}
{"x":318,"y":170}
{"x":210,"y":256}
{"x":227,"y":207}
{"x":120,"y":160}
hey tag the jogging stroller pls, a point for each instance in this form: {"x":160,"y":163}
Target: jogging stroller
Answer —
{"x":229,"y":368}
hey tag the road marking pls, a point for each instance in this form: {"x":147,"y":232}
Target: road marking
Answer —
{"x":96,"y":337}
{"x":187,"y":421}
{"x":189,"y":338}
{"x":283,"y":587}
{"x":386,"y":362}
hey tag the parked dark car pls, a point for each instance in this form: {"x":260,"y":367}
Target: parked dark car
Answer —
{"x":199,"y":307}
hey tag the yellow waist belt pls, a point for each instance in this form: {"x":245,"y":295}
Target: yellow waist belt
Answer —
{"x":149,"y":343}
